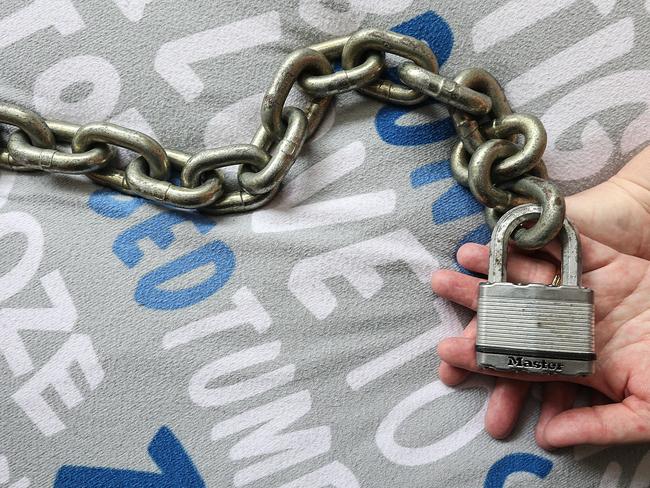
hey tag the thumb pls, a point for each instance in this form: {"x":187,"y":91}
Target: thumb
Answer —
{"x":625,"y":422}
{"x":617,"y":212}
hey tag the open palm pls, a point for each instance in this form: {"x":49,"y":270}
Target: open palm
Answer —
{"x":616,"y":258}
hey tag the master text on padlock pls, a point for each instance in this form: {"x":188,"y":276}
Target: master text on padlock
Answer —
{"x":543,"y":365}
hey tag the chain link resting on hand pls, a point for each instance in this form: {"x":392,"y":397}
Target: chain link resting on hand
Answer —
{"x":500,"y":172}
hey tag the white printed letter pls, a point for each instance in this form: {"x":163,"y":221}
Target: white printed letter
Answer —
{"x":98,"y":105}
{"x":61,"y":317}
{"x":607,"y":44}
{"x":203,"y":396}
{"x":449,"y":325}
{"x":285,"y":213}
{"x":625,"y":88}
{"x":21,"y":274}
{"x":248,"y":310}
{"x":174,"y":58}
{"x":132,"y":9}
{"x":39,"y":15}
{"x":77,"y":350}
{"x":333,"y":475}
{"x":517,"y":15}
{"x":416,"y":456}
{"x":357,"y":264}
{"x":286,"y":449}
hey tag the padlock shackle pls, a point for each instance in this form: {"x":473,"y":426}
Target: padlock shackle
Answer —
{"x":571,"y":256}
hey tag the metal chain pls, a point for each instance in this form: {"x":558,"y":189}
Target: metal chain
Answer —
{"x":500,"y":172}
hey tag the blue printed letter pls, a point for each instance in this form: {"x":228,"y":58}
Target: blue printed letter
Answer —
{"x":151,"y":294}
{"x":520,"y":462}
{"x":157,"y":228}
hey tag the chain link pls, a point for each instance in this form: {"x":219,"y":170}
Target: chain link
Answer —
{"x":298,"y":62}
{"x":31,"y":124}
{"x":369,"y":40}
{"x":286,"y":152}
{"x":445,"y":90}
{"x":498,"y":157}
{"x":30,"y":157}
{"x":467,"y":126}
{"x":346,"y":79}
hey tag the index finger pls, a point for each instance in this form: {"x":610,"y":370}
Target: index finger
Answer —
{"x":461,"y":353}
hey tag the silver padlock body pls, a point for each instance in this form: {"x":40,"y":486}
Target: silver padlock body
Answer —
{"x":536,"y":329}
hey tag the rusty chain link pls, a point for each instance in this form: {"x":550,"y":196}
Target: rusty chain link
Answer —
{"x":500,"y":172}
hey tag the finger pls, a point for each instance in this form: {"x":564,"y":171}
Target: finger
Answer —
{"x":451,"y":375}
{"x":470,"y":330}
{"x":521,"y":268}
{"x":505,"y":404}
{"x":599,"y":262}
{"x":460,"y":352}
{"x":594,"y":254}
{"x":557,"y":398}
{"x":457,"y":287}
{"x":619,"y":423}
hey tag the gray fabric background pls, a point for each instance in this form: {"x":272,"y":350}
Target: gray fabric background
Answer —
{"x":145,"y":386}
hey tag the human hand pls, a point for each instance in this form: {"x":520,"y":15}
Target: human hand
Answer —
{"x":615,"y":220}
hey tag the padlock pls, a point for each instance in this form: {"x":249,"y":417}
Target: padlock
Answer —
{"x":535,"y":328}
